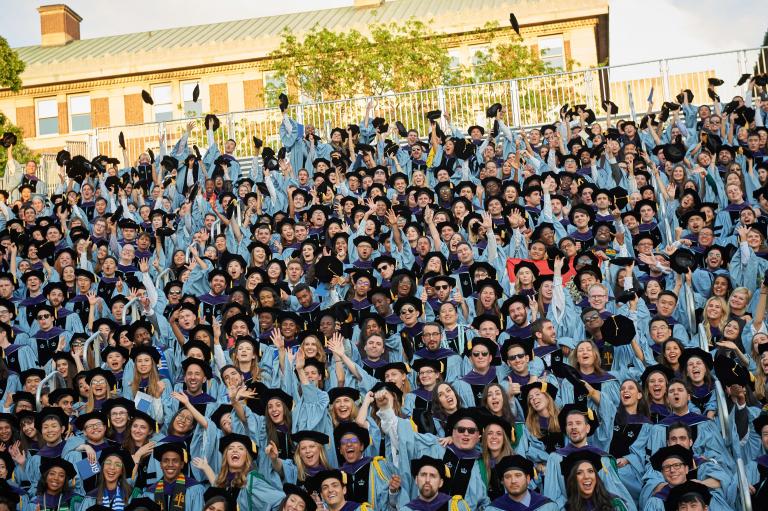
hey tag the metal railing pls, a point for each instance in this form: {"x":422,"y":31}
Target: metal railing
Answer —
{"x":94,"y":338}
{"x":132,"y":308}
{"x":39,"y":392}
{"x":745,"y":496}
{"x":529,"y":101}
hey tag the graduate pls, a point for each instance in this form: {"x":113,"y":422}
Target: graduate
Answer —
{"x":516,"y":473}
{"x":174,"y":491}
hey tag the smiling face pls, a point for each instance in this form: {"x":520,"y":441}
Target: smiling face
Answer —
{"x":309,"y":451}
{"x":171,"y":465}
{"x":55,"y":479}
{"x":236,"y":456}
{"x":586,"y":479}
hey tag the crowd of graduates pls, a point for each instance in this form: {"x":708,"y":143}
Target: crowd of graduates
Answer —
{"x":472,"y":318}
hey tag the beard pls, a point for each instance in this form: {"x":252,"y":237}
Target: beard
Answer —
{"x":427,"y":491}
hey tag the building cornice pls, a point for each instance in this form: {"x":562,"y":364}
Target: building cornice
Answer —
{"x":263,"y":63}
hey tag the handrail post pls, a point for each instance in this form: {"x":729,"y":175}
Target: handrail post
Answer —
{"x":39,"y":391}
{"x":97,"y":353}
{"x":746,"y":498}
{"x":441,"y":98}
{"x":631,"y":100}
{"x":514,"y":92}
{"x":722,"y":412}
{"x":664,"y":70}
{"x":160,"y":276}
{"x":132,"y":303}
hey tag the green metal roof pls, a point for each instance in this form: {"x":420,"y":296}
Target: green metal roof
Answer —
{"x":257,"y":28}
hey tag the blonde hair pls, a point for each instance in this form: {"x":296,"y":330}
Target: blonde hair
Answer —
{"x":532,"y":420}
{"x":301,"y":468}
{"x":741,"y":290}
{"x":90,"y":404}
{"x":255,"y":368}
{"x":240,"y":477}
{"x":153,"y":387}
{"x":335,"y":420}
{"x":595,"y":356}
{"x":723,"y":317}
{"x":321,"y":355}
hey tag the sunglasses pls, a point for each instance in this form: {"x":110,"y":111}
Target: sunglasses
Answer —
{"x":465,"y":430}
{"x":43,"y":316}
{"x":407,"y":310}
{"x":519,"y":356}
{"x":442,"y":287}
{"x":591,"y":318}
{"x":480,"y":353}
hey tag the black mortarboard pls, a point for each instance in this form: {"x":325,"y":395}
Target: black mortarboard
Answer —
{"x":610,"y":107}
{"x":283,"y":101}
{"x":683,"y":261}
{"x":686,"y":93}
{"x":121,"y":140}
{"x":689,"y":491}
{"x":434,"y":115}
{"x":427,"y":461}
{"x":514,"y":23}
{"x":743,"y":79}
{"x":618,"y":330}
{"x":196,"y":93}
{"x":47,"y":463}
{"x":8,"y":139}
{"x":147,"y":98}
{"x":715,"y":82}
{"x":216,"y":123}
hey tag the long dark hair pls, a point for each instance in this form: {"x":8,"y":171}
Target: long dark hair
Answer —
{"x":642,"y":406}
{"x":122,"y":483}
{"x":601,"y":500}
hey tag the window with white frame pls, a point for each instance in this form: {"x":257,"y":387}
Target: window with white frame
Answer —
{"x":79,"y":113}
{"x":551,"y":51}
{"x":273,"y":86}
{"x":47,"y":117}
{"x":163,"y":98}
{"x":455,"y":55}
{"x":191,"y":109}
{"x":477,"y":53}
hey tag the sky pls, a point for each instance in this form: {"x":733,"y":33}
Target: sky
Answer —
{"x":673,"y":27}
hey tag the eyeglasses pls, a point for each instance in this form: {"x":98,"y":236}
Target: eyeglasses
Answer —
{"x":480,"y":353}
{"x":591,"y":318}
{"x":43,"y":316}
{"x":115,"y":464}
{"x":116,"y":413}
{"x":347,"y":441}
{"x":518,"y":356}
{"x":672,"y":466}
{"x":425,"y":372}
{"x":430,"y":334}
{"x":95,"y":425}
{"x":465,"y":430}
{"x":407,"y":310}
{"x":598,"y":296}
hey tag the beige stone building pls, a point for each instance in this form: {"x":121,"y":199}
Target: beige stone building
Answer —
{"x":73,"y":86}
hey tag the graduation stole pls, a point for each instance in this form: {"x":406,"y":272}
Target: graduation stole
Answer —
{"x":177,"y":499}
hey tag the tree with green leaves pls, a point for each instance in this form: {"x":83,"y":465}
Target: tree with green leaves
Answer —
{"x":11,"y":67}
{"x":393,"y":57}
{"x":21,"y":152}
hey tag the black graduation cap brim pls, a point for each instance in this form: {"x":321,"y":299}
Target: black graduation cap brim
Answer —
{"x":622,"y":261}
{"x":257,"y":142}
{"x":683,"y":261}
{"x":618,"y":330}
{"x":215,"y":119}
{"x":514,"y":23}
{"x":434,"y":115}
{"x":567,"y":372}
{"x":196,"y":93}
{"x":121,"y":140}
{"x":715,"y":82}
{"x":147,"y":98}
{"x":401,"y":130}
